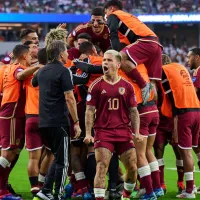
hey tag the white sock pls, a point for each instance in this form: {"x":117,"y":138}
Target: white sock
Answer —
{"x":129,"y":186}
{"x":154,"y":166}
{"x":4,"y":162}
{"x":79,"y":176}
{"x":41,"y":178}
{"x":179,"y":163}
{"x":189,"y":176}
{"x":99,"y":192}
{"x":144,"y":171}
{"x":161,"y":162}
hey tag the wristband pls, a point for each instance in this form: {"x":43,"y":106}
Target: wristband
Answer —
{"x":76,"y":121}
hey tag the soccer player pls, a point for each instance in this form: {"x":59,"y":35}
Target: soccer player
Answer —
{"x":178,"y":86}
{"x":12,"y":113}
{"x":147,"y":164}
{"x":112,"y":100}
{"x":29,"y":35}
{"x":96,"y":28}
{"x":55,"y":102}
{"x":143,"y":45}
{"x":194,"y":64}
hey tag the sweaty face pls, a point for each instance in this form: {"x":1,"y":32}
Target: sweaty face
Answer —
{"x":97,"y":23}
{"x":33,"y":37}
{"x":34,"y":50}
{"x":191,"y":60}
{"x":110,"y":65}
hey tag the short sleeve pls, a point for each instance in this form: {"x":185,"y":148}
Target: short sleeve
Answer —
{"x":131,"y":98}
{"x":66,"y":80}
{"x":17,"y":71}
{"x":79,"y":29}
{"x":92,"y":96}
{"x":196,"y":79}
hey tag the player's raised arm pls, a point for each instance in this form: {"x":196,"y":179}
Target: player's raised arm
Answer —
{"x":89,"y":121}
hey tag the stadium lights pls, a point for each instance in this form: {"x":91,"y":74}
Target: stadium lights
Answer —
{"x":79,"y":18}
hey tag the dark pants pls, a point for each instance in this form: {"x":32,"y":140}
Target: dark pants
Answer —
{"x":58,"y":140}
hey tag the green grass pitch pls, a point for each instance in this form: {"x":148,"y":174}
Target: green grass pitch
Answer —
{"x":20,"y":182}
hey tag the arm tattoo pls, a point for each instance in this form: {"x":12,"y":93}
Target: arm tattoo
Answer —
{"x":89,"y":118}
{"x":135,"y":119}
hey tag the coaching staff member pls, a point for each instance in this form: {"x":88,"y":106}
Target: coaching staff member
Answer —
{"x":55,"y":99}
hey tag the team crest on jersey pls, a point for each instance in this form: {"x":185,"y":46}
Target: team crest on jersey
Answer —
{"x":121,"y":90}
{"x":105,"y":36}
{"x":194,"y":79}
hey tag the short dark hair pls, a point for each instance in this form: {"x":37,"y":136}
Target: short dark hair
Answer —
{"x":86,"y":47}
{"x":99,"y":50}
{"x":42,"y":56}
{"x":84,"y":36}
{"x":195,"y":51}
{"x":25,"y":32}
{"x":166,"y":59}
{"x":28,"y":42}
{"x":98,"y":11}
{"x":19,"y":50}
{"x":116,"y":3}
{"x":55,"y":49}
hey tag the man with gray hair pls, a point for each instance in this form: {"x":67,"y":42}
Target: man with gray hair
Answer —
{"x":56,"y":98}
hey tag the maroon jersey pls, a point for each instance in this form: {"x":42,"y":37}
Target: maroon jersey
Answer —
{"x":73,"y":53}
{"x":102,"y":39}
{"x":112,"y":103}
{"x":196,"y":80}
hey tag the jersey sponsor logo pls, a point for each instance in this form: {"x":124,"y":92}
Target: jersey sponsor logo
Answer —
{"x":74,"y":33}
{"x":103,"y":92}
{"x":89,"y":97}
{"x":121,"y":90}
{"x":105,"y":36}
{"x":194,"y":79}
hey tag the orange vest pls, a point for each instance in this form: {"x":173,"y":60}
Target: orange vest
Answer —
{"x":134,"y":24}
{"x":69,"y":63}
{"x":11,"y":86}
{"x":2,"y":69}
{"x":32,"y":98}
{"x":143,"y":71}
{"x":182,"y":88}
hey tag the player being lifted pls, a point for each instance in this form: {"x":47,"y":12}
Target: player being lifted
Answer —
{"x":143,"y":45}
{"x":112,"y":99}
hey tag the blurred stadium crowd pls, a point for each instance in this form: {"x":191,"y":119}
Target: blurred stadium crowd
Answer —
{"x":85,"y":6}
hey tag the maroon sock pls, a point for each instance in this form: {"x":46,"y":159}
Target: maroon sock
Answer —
{"x":81,"y":184}
{"x":155,"y":176}
{"x":4,"y":172}
{"x":162,"y":180}
{"x":189,"y":186}
{"x":135,"y":75}
{"x":146,"y":182}
{"x":126,"y":193}
{"x":180,"y":172}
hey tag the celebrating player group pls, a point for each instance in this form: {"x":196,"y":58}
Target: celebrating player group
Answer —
{"x":102,"y":94}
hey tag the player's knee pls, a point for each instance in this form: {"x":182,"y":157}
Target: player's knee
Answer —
{"x":102,"y":166}
{"x":132,"y":168}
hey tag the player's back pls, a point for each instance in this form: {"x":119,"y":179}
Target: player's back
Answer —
{"x":112,"y":103}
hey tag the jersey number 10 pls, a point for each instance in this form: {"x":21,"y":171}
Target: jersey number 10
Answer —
{"x":113,"y":104}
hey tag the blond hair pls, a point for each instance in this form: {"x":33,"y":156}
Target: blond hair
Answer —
{"x":55,"y":34}
{"x":116,"y":54}
{"x":166,"y":59}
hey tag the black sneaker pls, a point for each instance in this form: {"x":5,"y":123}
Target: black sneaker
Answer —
{"x":12,"y":191}
{"x":114,"y":195}
{"x":45,"y":195}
